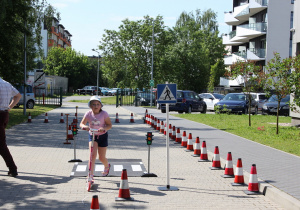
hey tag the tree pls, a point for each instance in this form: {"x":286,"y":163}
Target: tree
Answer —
{"x":197,"y":47}
{"x":68,"y":63}
{"x":250,"y":74}
{"x":128,"y":52}
{"x":279,"y":79}
{"x":19,"y":18}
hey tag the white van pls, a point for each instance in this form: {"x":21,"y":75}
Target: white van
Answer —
{"x":30,"y":99}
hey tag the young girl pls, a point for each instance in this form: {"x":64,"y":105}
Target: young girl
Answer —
{"x":97,"y":119}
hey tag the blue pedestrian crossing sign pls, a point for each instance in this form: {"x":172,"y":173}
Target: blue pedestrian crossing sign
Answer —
{"x":166,"y":93}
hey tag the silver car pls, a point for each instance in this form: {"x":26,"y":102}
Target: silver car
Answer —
{"x":30,"y":99}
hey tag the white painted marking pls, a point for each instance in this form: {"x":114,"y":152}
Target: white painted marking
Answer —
{"x":136,"y":168}
{"x":99,"y":167}
{"x":81,"y":168}
{"x":118,"y":167}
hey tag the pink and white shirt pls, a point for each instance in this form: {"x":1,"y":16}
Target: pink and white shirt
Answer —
{"x":96,"y":120}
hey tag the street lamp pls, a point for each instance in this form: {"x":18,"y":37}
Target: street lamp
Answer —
{"x":97,"y":71}
{"x":152,"y":82}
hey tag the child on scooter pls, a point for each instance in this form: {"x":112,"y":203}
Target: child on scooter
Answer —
{"x":97,"y":119}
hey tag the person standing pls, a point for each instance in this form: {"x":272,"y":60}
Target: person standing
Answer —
{"x":97,"y":119}
{"x":7,"y":91}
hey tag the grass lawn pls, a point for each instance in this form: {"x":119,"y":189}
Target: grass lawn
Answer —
{"x":16,"y":114}
{"x":262,"y":130}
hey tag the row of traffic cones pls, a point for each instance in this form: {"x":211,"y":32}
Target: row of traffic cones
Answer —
{"x":118,"y":121}
{"x":202,"y":153}
{"x":29,"y":119}
{"x":124,"y":192}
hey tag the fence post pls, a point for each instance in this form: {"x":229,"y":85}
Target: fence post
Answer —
{"x":60,"y":94}
{"x":117,"y":99}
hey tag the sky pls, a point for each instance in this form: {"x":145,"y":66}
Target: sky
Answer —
{"x":86,"y":20}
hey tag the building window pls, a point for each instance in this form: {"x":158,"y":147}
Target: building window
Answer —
{"x":292,"y":1}
{"x":292,"y":20}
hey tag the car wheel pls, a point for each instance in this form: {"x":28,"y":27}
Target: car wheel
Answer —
{"x":30,"y":104}
{"x":163,"y":111}
{"x":189,"y":111}
{"x":256,"y":111}
{"x":180,"y":112}
{"x":245,"y":111}
{"x":204,"y":110}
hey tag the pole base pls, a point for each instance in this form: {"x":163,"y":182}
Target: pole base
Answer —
{"x":167,"y":188}
{"x":74,"y":160}
{"x":149,"y":175}
{"x":67,"y":142}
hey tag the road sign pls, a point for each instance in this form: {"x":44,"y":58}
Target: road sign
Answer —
{"x":166,"y":93}
{"x":152,"y":83}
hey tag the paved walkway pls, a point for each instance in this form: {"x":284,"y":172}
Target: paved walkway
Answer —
{"x":44,"y":180}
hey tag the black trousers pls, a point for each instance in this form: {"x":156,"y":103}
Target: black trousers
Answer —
{"x":4,"y":151}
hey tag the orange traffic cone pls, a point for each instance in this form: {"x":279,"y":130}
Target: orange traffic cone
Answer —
{"x":117,"y":118}
{"x":239,"y":176}
{"x":170,"y":131}
{"x":178,"y":136}
{"x":162,"y":127}
{"x":158,"y":125}
{"x":61,"y":118}
{"x":203,"y":156}
{"x":131,"y":118}
{"x":197,"y":151}
{"x":165,"y":130}
{"x":29,"y":118}
{"x":155,"y":123}
{"x":95,"y":203}
{"x":124,"y":193}
{"x":76,"y":121}
{"x":189,"y":146}
{"x":253,"y":188}
{"x":173,"y":136}
{"x":70,"y":134}
{"x":46,"y":118}
{"x":183,"y":140}
{"x":228,"y":167}
{"x":216,"y":165}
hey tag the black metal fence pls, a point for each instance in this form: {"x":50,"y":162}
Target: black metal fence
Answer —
{"x":51,"y":96}
{"x":134,"y":97}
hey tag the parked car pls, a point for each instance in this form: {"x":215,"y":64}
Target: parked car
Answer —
{"x":30,"y":98}
{"x":113,"y":91}
{"x":187,"y":101}
{"x":237,"y":103}
{"x":104,"y":91}
{"x":211,"y":99}
{"x":270,"y":107}
{"x":260,"y":98}
{"x":144,"y":99}
{"x":91,"y":90}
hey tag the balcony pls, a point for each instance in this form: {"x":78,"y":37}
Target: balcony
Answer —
{"x":227,"y":39}
{"x":256,"y":54}
{"x":249,"y":31}
{"x":231,"y":59}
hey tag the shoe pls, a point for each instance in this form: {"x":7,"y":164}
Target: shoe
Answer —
{"x":106,"y":171}
{"x":12,"y":173}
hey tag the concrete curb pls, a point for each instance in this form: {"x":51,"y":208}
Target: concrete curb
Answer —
{"x":274,"y":194}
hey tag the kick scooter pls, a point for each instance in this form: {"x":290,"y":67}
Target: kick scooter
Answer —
{"x":90,"y":177}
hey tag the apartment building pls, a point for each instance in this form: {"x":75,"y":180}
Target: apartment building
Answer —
{"x":258,"y":29}
{"x":296,"y":51}
{"x":58,"y":37}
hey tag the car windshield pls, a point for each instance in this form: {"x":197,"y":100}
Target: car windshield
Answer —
{"x":218,"y":96}
{"x":235,"y":97}
{"x":274,"y":98}
{"x":262,"y":97}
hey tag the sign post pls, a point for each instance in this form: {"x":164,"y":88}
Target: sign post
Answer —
{"x":166,"y":95}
